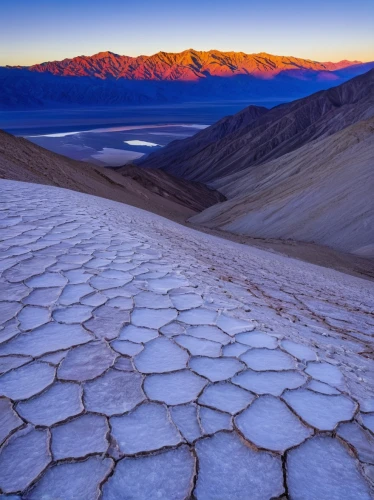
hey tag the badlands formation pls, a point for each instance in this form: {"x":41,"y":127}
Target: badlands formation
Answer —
{"x":142,"y":359}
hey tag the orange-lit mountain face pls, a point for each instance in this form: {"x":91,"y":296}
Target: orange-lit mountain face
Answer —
{"x":189,"y":65}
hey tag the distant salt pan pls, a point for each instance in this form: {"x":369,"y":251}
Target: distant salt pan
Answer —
{"x":195,"y":125}
{"x":116,"y":157}
{"x":141,"y":143}
{"x":122,"y":129}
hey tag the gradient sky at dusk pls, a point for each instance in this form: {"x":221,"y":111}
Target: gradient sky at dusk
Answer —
{"x":33,"y":31}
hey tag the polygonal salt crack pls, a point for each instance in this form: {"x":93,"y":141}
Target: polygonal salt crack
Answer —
{"x":324,"y":372}
{"x":45,"y":339}
{"x":163,"y":285}
{"x":213,"y":421}
{"x":80,"y":437}
{"x":174,"y":388}
{"x":126,"y":348}
{"x":269,"y":424}
{"x":114,"y":393}
{"x":186,"y":301}
{"x":320,"y":410}
{"x":234,"y":350}
{"x":199,"y":316}
{"x":232,"y":326}
{"x":28,"y":268}
{"x":9,"y":420}
{"x":256,"y":339}
{"x":301,"y":352}
{"x":43,"y":297}
{"x":86,"y":362}
{"x":216,"y":369}
{"x":185,"y":418}
{"x":107,"y":322}
{"x":209,"y":333}
{"x":322,"y":468}
{"x":269,"y":382}
{"x":152,"y":318}
{"x":123,"y":303}
{"x":265,"y":359}
{"x":362,"y":441}
{"x":147,"y":428}
{"x":26,"y":381}
{"x":245,"y":471}
{"x":152,"y":300}
{"x":8,"y":310}
{"x":159,"y":356}
{"x":137,"y":334}
{"x":167,"y":475}
{"x":199,"y":347}
{"x":10,"y":362}
{"x":74,"y":293}
{"x":47,"y":280}
{"x":368,"y":421}
{"x":31,"y":317}
{"x":73,"y":314}
{"x":59,"y":402}
{"x":226,"y":397}
{"x":22,"y":459}
{"x":321,"y":387}
{"x":101,"y":283}
{"x":71,"y":481}
{"x":172,"y":329}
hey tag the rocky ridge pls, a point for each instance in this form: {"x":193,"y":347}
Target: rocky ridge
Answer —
{"x":186,"y":66}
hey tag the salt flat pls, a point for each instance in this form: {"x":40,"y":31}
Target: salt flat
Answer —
{"x":142,"y":359}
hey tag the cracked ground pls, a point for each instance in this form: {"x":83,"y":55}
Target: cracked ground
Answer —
{"x":140,"y":359}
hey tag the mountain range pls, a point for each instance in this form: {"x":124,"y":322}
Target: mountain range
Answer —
{"x":107,"y":79}
{"x":188,"y":65}
{"x":301,"y":171}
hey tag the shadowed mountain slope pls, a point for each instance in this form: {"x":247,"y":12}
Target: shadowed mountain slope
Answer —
{"x":321,"y":193}
{"x":204,"y":143}
{"x":274,"y":133}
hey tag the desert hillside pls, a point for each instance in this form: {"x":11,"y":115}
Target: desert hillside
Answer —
{"x":268,"y":135}
{"x":22,"y":160}
{"x":321,"y":193}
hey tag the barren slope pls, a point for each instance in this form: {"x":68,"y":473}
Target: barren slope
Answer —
{"x":322,"y":192}
{"x":205,"y":142}
{"x":24,"y":161}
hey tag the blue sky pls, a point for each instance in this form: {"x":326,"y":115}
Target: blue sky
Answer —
{"x":33,"y":31}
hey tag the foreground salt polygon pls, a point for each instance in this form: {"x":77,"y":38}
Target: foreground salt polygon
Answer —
{"x":141,"y":359}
